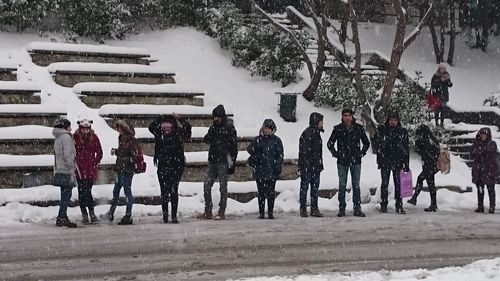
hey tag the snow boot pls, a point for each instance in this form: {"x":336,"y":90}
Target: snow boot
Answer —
{"x":85,"y":219}
{"x":359,"y":213}
{"x":165,"y":218}
{"x":341,"y":213}
{"x":93,"y":217}
{"x":261,"y":216}
{"x":316,"y":213}
{"x":207,"y":215}
{"x":383,"y":209}
{"x":270,"y":215}
{"x":303,"y":212}
{"x":413,"y":199}
{"x":64,"y":221}
{"x":221,"y":214}
{"x":491,"y":194}
{"x":433,"y":206}
{"x":174,"y":219}
{"x":126,"y":220}
{"x":107,"y":216}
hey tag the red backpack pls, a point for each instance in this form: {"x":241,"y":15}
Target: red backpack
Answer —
{"x":140,"y":165}
{"x":433,"y":102}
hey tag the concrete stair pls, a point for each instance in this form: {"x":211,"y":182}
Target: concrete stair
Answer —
{"x":8,"y":73}
{"x":13,"y":92}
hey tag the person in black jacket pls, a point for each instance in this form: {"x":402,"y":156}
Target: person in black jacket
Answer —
{"x":222,"y":155}
{"x":427,"y":146}
{"x":393,"y":155}
{"x":348,"y":135}
{"x":266,"y":158}
{"x":169,"y":132}
{"x":311,"y":163}
{"x":440,"y":83}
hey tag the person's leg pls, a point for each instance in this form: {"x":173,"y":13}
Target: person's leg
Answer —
{"x":436,"y":117}
{"x":223,"y":179}
{"x":356,"y":190}
{"x":174,"y":196}
{"x":64,"y":202}
{"x":315,"y":180}
{"x":385,"y":173}
{"x":90,"y":199}
{"x":82,"y":200}
{"x":491,"y":194}
{"x":271,"y":195}
{"x":432,"y":191}
{"x":441,"y":114}
{"x":397,"y":191}
{"x":480,"y":198}
{"x":207,"y":190}
{"x":305,"y":179}
{"x":116,"y":195}
{"x":418,"y":187}
{"x":261,"y":197}
{"x":342,"y":171}
{"x":164,"y":196}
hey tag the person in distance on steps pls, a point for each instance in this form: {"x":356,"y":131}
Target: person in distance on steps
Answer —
{"x":64,"y":167}
{"x":484,"y":168}
{"x":427,"y":146}
{"x":311,"y":163}
{"x":440,"y":83}
{"x":266,"y":160}
{"x":88,"y":156}
{"x":347,"y":136}
{"x":170,"y":131}
{"x":222,"y":139}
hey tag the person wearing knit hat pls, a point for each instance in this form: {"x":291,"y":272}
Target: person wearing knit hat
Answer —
{"x":347,"y":136}
{"x":222,"y":154}
{"x":266,"y":160}
{"x":64,"y":167}
{"x":88,"y":156}
{"x":393,"y":155}
{"x":311,"y":164}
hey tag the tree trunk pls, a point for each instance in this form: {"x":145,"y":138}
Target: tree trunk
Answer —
{"x":451,"y":50}
{"x":443,"y":21}
{"x":435,"y":43}
{"x":360,"y":91}
{"x":397,"y":51}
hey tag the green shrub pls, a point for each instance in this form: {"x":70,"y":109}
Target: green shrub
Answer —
{"x":23,"y":14}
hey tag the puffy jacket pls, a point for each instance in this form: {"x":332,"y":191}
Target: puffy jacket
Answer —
{"x":440,"y":88}
{"x":311,"y":146}
{"x":427,"y":146}
{"x":392,"y":145}
{"x":64,"y":152}
{"x":266,"y":153}
{"x":223,"y":142}
{"x":88,"y":155}
{"x":484,"y":168}
{"x":348,"y":140}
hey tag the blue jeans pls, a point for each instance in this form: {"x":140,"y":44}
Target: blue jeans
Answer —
{"x":343,"y":170}
{"x":125,"y":181}
{"x":385,"y":173}
{"x":64,"y":202}
{"x":309,"y":178}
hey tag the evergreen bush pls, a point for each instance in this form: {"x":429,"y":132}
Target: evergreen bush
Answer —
{"x":23,"y":14}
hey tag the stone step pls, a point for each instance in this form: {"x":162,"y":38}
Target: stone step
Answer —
{"x":45,"y":53}
{"x":142,"y":115}
{"x":463,"y":155}
{"x":460,"y":141}
{"x":95,"y":95}
{"x":33,"y":175}
{"x":13,"y":92}
{"x":8,"y":73}
{"x":27,"y":115}
{"x":70,"y":74}
{"x":452,"y":188}
{"x":461,"y":147}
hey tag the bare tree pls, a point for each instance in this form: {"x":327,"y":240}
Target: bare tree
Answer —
{"x":451,"y":50}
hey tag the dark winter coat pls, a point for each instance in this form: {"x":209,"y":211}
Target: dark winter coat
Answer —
{"x":484,"y":168}
{"x":348,"y":140}
{"x":392,"y":145}
{"x":88,"y":155}
{"x":169,"y":148}
{"x":127,"y":151}
{"x":427,"y":146}
{"x":222,"y":139}
{"x":266,"y":154}
{"x":440,"y":88}
{"x":311,"y":146}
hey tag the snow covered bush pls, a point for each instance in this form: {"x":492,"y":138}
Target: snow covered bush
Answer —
{"x":492,"y":100}
{"x":254,"y":45}
{"x":95,"y":18}
{"x":23,"y":14}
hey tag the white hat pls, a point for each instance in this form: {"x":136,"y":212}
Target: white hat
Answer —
{"x":84,"y":123}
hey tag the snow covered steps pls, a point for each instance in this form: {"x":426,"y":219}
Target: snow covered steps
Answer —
{"x":68,"y":74}
{"x":7,"y":72}
{"x":13,"y":92}
{"x":45,"y":53}
{"x":140,"y":116}
{"x":16,"y":115}
{"x":97,"y":94}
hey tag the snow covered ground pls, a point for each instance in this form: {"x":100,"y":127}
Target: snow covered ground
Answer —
{"x":478,"y":271}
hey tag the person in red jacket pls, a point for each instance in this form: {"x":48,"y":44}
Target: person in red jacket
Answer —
{"x":88,"y":156}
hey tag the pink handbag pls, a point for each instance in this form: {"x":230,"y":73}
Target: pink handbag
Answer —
{"x":406,"y":183}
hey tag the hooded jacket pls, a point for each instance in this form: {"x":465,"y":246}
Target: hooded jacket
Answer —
{"x":266,"y":153}
{"x":127,"y":150}
{"x":348,"y":140}
{"x":64,"y":152}
{"x":311,"y":146}
{"x":169,"y":148}
{"x":88,"y":155}
{"x":427,"y":146}
{"x":222,"y":139}
{"x":392,"y":145}
{"x":484,"y":168}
